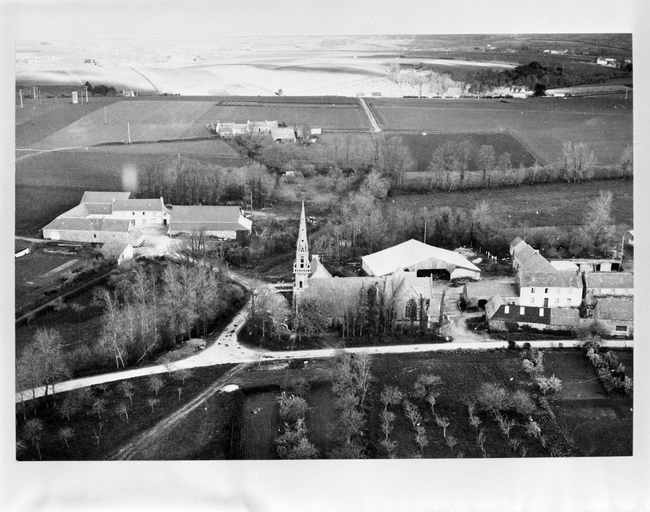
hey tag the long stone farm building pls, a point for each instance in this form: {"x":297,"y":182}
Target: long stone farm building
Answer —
{"x":421,"y":258}
{"x":93,"y":230}
{"x":216,"y":221}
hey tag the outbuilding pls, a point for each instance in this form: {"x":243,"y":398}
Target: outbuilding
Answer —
{"x":422,"y":259}
{"x":226,"y":222}
{"x":118,"y":251}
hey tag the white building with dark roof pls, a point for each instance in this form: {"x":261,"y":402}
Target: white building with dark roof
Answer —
{"x":226,"y":222}
{"x":143,"y":212}
{"x":552,"y":290}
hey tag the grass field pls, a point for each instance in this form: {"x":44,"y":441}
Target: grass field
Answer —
{"x":422,"y":147}
{"x":554,"y":204}
{"x":543,"y":124}
{"x":39,"y":120}
{"x":339,"y":116}
{"x":212,"y":147}
{"x":148,"y":121}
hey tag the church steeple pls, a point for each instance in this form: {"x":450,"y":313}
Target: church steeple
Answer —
{"x":301,"y":266}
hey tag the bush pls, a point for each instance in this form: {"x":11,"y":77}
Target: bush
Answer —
{"x":512,"y":345}
{"x":546,"y":384}
{"x":511,"y":326}
{"x":292,"y":408}
{"x":522,"y":403}
{"x":493,"y":398}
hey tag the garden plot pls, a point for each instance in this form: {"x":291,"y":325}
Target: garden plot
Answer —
{"x":148,"y":121}
{"x":258,"y":423}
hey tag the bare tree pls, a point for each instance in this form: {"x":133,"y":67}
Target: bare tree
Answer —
{"x":152,"y":402}
{"x":597,"y":229}
{"x":65,"y":434}
{"x":155,"y":384}
{"x":123,"y":409}
{"x":577,"y":161}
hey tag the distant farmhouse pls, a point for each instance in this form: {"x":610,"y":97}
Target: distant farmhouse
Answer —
{"x":278,"y":133}
{"x":561,"y":295}
{"x":113,"y":217}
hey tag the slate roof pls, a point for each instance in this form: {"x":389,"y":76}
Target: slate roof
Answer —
{"x":283,"y":133}
{"x":487,"y":289}
{"x":564,"y":266}
{"x":113,"y":249}
{"x":80,"y":224}
{"x":150,"y":205}
{"x":554,"y":280}
{"x":515,"y":242}
{"x":318,"y":270}
{"x":103,"y":197}
{"x":411,"y":253}
{"x":609,"y":280}
{"x":208,"y":218}
{"x":80,"y":211}
{"x":615,"y":308}
{"x":565,"y":316}
{"x":529,"y":259}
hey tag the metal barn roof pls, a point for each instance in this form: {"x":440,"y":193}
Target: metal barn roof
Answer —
{"x":411,"y":253}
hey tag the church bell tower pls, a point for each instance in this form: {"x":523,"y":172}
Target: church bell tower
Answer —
{"x":301,"y":266}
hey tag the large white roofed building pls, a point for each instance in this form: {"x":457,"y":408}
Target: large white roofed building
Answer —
{"x":415,"y":256}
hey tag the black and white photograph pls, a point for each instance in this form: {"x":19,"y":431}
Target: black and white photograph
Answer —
{"x":255,"y":237}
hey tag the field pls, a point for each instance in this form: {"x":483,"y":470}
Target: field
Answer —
{"x":422,"y":147}
{"x":38,"y":120}
{"x":326,"y":116}
{"x":599,"y":425}
{"x":462,"y":373}
{"x":148,"y":121}
{"x":115,"y":431}
{"x":542,"y":124}
{"x":38,"y":271}
{"x":554,"y":204}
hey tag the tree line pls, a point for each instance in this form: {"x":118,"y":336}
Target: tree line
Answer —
{"x":144,"y":311}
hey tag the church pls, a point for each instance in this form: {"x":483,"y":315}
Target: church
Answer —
{"x":408,"y":297}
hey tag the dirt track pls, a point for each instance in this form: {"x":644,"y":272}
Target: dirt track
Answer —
{"x":142,"y":446}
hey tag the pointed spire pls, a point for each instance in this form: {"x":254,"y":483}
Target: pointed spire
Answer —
{"x":302,"y":245}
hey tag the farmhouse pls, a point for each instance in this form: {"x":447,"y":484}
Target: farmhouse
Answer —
{"x":420,"y":258}
{"x":549,"y":290}
{"x":150,"y":212}
{"x":118,"y":251}
{"x":283,"y":135}
{"x":91,"y":230}
{"x":226,"y":222}
{"x":261,"y":126}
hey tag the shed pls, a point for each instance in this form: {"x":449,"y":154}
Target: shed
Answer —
{"x":121,"y":252}
{"x":477,"y":294}
{"x":564,"y":266}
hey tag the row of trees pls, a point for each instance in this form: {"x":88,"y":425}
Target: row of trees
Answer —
{"x":152,"y":309}
{"x":185,"y":181}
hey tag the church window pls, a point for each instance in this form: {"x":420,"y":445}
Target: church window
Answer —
{"x":411,"y":310}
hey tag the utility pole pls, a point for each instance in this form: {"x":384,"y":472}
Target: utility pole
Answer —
{"x":86,"y":94}
{"x":424,"y":240}
{"x":104,"y":115}
{"x":128,"y":131}
{"x":20,"y":91}
{"x":251,"y":202}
